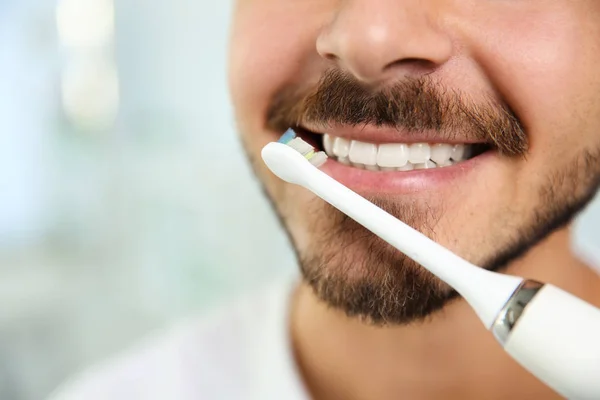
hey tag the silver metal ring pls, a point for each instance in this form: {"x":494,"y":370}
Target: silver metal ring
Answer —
{"x":513,"y":309}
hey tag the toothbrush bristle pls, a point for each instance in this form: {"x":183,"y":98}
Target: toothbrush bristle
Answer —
{"x":301,"y":146}
{"x":316,"y":158}
{"x":288,"y":136}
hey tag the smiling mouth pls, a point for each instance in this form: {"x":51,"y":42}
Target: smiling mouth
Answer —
{"x":393,"y":156}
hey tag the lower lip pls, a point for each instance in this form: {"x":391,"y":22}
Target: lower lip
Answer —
{"x":399,"y":182}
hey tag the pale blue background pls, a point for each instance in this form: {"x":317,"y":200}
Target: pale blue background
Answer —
{"x":106,"y":236}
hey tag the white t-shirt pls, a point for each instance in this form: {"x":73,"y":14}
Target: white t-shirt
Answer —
{"x":242,"y":353}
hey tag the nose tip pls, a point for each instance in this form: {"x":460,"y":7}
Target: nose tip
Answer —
{"x":375,"y":43}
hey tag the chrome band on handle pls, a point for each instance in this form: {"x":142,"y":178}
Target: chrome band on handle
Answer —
{"x":513,"y":309}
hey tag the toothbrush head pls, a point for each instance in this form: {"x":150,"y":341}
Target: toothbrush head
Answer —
{"x":291,"y":158}
{"x":316,"y":158}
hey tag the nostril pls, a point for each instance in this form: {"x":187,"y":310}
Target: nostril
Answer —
{"x":417,"y":65}
{"x":331,"y":57}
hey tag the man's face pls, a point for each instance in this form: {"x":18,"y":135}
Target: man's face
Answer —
{"x":476,"y":122}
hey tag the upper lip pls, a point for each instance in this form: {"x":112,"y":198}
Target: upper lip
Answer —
{"x":375,"y":134}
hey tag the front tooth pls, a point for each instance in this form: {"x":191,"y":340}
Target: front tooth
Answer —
{"x":392,"y":155}
{"x":363,"y":153}
{"x":458,"y":152}
{"x":344,"y":160}
{"x":448,"y":163}
{"x":419,"y":153}
{"x":328,"y":144}
{"x":407,"y":167}
{"x":440,"y":153}
{"x":341,"y":147}
{"x":426,"y":165}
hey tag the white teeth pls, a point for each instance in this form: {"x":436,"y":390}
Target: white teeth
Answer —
{"x":407,"y":167}
{"x":458,"y":152}
{"x":341,"y":147}
{"x":440,"y":153}
{"x":392,"y":155}
{"x":328,"y":144}
{"x":389,"y":157}
{"x":426,"y":165}
{"x":419,"y":153}
{"x":344,"y":160}
{"x":363,"y":153}
{"x":447,"y":163}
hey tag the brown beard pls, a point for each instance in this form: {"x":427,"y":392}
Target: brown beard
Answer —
{"x":390,"y":288}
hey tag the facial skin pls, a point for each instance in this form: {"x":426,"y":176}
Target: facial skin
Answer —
{"x":530,"y":66}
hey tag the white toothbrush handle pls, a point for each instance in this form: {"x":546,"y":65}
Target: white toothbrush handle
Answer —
{"x":556,"y":338}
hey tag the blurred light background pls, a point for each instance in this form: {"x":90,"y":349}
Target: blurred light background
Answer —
{"x":126,"y":202}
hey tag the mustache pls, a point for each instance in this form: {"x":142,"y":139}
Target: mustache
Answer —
{"x":412,"y":105}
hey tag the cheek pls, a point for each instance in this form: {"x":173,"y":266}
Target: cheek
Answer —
{"x":272,"y":42}
{"x":543,"y":60}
